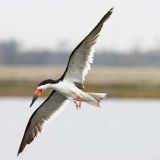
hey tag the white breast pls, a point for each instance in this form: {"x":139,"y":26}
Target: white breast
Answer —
{"x":68,"y":89}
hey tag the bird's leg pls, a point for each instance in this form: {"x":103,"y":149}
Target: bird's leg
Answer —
{"x":77,"y":102}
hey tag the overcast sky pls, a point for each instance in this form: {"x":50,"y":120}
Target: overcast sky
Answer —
{"x":46,"y":23}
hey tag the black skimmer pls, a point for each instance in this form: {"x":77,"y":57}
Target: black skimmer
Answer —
{"x":69,"y":86}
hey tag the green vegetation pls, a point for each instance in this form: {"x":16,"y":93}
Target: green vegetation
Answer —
{"x":128,"y":90}
{"x":27,"y":88}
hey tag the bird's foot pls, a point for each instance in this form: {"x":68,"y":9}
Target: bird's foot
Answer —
{"x":77,"y":102}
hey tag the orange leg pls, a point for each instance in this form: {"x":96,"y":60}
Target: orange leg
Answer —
{"x":77,"y":102}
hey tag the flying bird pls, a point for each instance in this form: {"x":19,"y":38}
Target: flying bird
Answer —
{"x":69,"y":86}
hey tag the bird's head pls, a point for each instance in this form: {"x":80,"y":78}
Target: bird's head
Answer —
{"x":46,"y":84}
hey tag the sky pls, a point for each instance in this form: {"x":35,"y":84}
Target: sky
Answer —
{"x":63,"y":24}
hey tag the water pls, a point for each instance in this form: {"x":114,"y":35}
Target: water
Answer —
{"x":120,"y":130}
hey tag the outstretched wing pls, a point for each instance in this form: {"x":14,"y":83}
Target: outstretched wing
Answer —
{"x":50,"y":107}
{"x":81,"y":58}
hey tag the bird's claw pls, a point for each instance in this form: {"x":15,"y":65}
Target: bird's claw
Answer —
{"x":77,"y":102}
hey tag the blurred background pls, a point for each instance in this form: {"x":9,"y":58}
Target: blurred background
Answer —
{"x":36,"y":39}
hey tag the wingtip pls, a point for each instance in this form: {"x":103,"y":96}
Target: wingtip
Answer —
{"x":21,"y":148}
{"x":19,"y":152}
{"x":111,"y":10}
{"x":107,"y":15}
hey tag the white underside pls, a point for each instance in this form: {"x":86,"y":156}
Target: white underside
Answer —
{"x":69,"y":90}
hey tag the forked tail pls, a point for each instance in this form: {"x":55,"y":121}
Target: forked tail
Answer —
{"x":97,"y":98}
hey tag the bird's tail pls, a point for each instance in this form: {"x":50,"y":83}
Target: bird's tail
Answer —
{"x":97,"y":98}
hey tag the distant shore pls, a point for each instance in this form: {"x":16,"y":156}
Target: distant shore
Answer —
{"x":117,"y":82}
{"x":13,"y":88}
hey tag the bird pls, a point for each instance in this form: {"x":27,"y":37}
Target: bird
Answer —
{"x":68,"y":87}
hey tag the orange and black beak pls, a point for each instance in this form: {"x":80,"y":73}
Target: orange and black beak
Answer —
{"x":37,"y":93}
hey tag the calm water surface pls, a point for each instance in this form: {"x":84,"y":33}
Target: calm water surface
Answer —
{"x":120,"y":130}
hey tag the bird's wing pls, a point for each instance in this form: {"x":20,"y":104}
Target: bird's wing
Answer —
{"x":82,"y":56}
{"x":50,"y":107}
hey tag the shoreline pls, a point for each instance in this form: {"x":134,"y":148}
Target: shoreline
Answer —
{"x":22,"y":89}
{"x":137,"y":82}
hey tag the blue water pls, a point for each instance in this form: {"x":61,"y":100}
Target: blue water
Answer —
{"x":123,"y":129}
